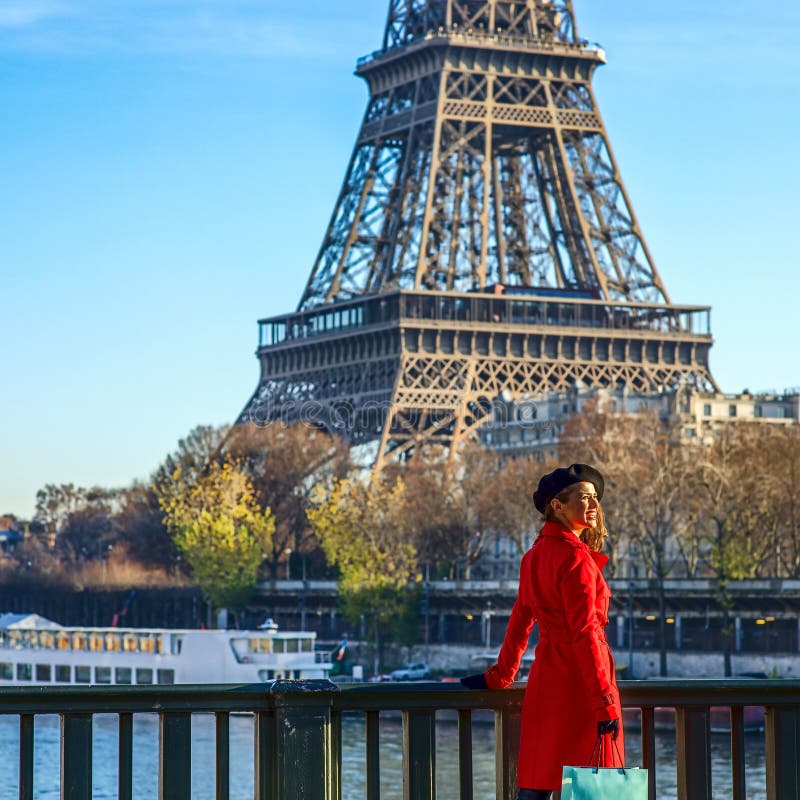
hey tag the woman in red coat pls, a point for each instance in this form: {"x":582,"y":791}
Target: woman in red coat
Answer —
{"x":571,"y":698}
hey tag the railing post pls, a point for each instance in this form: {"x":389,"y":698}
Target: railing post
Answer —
{"x":26,"y":757}
{"x":76,"y":757}
{"x":782,"y":727}
{"x":304,"y":740}
{"x":738,"y":781}
{"x":223,"y":752}
{"x":419,"y":755}
{"x":373,"y":775}
{"x":336,"y":759}
{"x":649,"y":749}
{"x":506,"y":743}
{"x":175,"y":755}
{"x":693,"y":744}
{"x":125,"y":757}
{"x":465,"y":754}
{"x":264,"y":755}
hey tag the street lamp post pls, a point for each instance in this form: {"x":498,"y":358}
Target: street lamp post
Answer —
{"x":487,"y":620}
{"x":426,"y":600}
{"x":288,"y":554}
{"x":631,"y":589}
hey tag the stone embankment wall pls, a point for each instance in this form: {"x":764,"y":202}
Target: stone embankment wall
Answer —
{"x":711,"y":665}
{"x":465,"y":660}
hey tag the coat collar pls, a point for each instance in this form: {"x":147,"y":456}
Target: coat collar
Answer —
{"x":558,"y":531}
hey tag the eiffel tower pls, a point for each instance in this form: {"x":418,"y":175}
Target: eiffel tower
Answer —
{"x":483,"y":244}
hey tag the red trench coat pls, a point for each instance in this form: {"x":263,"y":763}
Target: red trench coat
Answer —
{"x":571,"y":686}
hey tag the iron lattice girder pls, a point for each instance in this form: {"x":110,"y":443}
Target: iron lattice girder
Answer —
{"x":414,"y":366}
{"x":482,"y":163}
{"x":482,"y":160}
{"x":538,"y":20}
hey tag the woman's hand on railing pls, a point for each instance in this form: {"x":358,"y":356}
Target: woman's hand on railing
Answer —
{"x":475,"y":682}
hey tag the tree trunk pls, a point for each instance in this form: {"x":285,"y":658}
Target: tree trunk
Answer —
{"x":728,"y":650}
{"x":376,"y":652}
{"x":662,"y":628}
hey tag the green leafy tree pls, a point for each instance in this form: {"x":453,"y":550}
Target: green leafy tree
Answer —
{"x":362,"y":530}
{"x":284,"y":464}
{"x":219,"y":530}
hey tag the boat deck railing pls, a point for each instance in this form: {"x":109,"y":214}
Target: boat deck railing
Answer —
{"x":298,"y":734}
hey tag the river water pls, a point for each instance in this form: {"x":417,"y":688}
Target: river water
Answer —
{"x":145,"y":759}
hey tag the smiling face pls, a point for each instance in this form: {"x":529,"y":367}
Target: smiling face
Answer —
{"x":577,"y":506}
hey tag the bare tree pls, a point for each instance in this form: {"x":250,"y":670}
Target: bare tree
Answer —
{"x":441,"y":513}
{"x":781,"y":477}
{"x":54,"y":504}
{"x":730,"y":507}
{"x":506,"y":502}
{"x":140,"y":529}
{"x":194,"y":453}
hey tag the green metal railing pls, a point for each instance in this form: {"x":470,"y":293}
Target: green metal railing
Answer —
{"x":298,"y":724}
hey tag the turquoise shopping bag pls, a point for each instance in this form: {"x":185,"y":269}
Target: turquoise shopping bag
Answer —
{"x":603,"y":783}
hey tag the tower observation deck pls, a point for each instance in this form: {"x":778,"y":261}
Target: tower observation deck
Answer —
{"x":483,"y":244}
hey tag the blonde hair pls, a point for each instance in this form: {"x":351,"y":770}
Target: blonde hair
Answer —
{"x":594,"y":538}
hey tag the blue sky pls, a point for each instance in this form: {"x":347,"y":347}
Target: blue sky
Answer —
{"x":168,"y":167}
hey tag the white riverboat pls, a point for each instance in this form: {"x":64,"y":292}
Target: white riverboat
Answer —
{"x":37,"y":651}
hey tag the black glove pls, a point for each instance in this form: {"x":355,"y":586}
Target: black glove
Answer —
{"x":475,"y":681}
{"x":608,"y":726}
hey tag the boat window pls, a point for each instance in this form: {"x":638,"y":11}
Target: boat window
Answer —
{"x":102,"y":674}
{"x":112,"y":642}
{"x":147,"y":644}
{"x":47,"y":640}
{"x":31,"y":638}
{"x":123,"y":675}
{"x":62,"y":641}
{"x":307,"y":645}
{"x":159,"y":644}
{"x":95,"y":642}
{"x":240,"y":650}
{"x":43,"y":672}
{"x":266,"y":675}
{"x":79,"y":641}
{"x":252,"y":645}
{"x":177,"y":645}
{"x":6,"y":672}
{"x":166,"y":677}
{"x":63,"y":673}
{"x":291,"y":645}
{"x":130,"y":644}
{"x":144,"y":675}
{"x":278,"y":646}
{"x":83,"y":674}
{"x":24,"y":672}
{"x":265,"y":645}
{"x":14,"y":639}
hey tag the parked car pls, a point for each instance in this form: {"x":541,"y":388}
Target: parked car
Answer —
{"x":411,"y":672}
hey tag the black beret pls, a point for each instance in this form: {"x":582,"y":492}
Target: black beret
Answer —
{"x":551,"y":484}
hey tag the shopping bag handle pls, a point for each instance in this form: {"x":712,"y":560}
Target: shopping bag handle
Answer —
{"x":598,"y":751}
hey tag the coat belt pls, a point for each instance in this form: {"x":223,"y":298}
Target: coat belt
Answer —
{"x":547,"y":635}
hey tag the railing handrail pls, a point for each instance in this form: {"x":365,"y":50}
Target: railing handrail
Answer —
{"x":315,"y":708}
{"x":700,"y":692}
